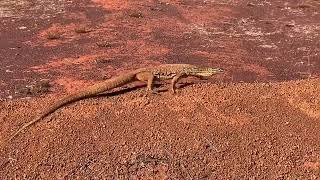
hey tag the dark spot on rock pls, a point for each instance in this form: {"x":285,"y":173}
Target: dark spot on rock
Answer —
{"x":53,"y":35}
{"x":104,"y":44}
{"x":34,"y":89}
{"x":82,"y":30}
{"x":290,"y":25}
{"x":304,"y":6}
{"x":136,"y":15}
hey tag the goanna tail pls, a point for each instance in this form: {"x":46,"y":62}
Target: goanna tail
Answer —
{"x":89,"y":92}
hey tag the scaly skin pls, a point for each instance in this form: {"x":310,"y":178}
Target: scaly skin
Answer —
{"x":149,"y":75}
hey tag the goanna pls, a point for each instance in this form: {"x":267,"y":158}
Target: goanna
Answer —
{"x":148,"y":75}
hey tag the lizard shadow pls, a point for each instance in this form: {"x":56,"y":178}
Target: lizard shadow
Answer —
{"x":119,"y":91}
{"x":160,"y":88}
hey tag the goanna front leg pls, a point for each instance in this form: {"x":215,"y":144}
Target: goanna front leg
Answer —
{"x":146,"y":77}
{"x":174,"y":82}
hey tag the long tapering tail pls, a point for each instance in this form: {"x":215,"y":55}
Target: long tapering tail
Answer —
{"x":89,"y":92}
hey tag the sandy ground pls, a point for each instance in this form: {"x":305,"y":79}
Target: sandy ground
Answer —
{"x":258,"y":120}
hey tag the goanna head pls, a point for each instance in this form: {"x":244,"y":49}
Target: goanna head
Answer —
{"x":203,"y":71}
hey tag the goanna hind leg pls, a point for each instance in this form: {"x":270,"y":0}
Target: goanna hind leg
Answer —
{"x":174,"y":81}
{"x":146,"y":77}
